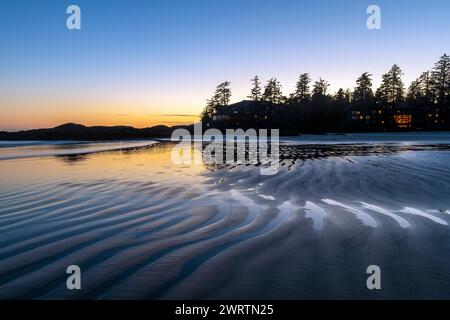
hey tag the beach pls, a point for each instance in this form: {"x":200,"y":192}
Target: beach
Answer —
{"x":141,"y":227}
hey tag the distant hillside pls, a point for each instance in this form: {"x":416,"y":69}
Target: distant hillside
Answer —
{"x":73,"y":131}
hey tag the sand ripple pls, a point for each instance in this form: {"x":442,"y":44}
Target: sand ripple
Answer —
{"x":140,"y":227}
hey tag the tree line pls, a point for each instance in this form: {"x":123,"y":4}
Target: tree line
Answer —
{"x":311,"y":108}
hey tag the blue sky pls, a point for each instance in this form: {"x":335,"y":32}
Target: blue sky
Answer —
{"x":138,"y":62}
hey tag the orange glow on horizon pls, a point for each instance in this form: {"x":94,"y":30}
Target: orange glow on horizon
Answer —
{"x":36,"y":115}
{"x":105,"y":120}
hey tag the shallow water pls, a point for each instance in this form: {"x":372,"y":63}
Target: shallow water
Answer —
{"x":33,"y":149}
{"x":142,"y":227}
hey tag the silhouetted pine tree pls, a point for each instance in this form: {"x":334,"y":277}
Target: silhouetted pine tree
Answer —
{"x":390,"y":95}
{"x":420,"y":99}
{"x":363,"y":93}
{"x":440,"y":81}
{"x":302,"y":92}
{"x":221,"y":97}
{"x":363,"y":103}
{"x":223,"y":92}
{"x":320,"y":89}
{"x":272,"y":92}
{"x":340,"y":97}
{"x":255,"y":93}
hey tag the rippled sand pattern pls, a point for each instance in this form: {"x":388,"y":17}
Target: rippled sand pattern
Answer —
{"x":141,"y":227}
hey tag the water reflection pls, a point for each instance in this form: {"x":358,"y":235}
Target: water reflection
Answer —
{"x":142,"y":227}
{"x":290,"y":154}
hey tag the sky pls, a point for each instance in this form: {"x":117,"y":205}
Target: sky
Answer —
{"x":143,"y":63}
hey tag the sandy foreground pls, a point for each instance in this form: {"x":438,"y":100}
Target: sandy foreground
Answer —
{"x":141,"y":227}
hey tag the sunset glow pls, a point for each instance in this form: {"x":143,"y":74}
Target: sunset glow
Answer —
{"x":155,"y":62}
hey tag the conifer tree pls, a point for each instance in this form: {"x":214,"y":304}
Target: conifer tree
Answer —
{"x":255,"y":93}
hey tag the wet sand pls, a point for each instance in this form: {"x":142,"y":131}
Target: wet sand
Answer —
{"x":141,"y":227}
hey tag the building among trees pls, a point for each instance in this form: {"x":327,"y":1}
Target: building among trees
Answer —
{"x":424,"y":105}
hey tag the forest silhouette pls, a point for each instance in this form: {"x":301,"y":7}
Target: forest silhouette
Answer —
{"x":311,"y":108}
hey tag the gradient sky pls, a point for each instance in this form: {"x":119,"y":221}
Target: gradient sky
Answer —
{"x":142,"y":63}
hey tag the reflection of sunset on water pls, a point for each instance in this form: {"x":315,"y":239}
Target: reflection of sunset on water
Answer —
{"x":140,"y":226}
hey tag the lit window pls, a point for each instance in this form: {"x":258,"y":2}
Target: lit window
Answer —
{"x":403,"y":120}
